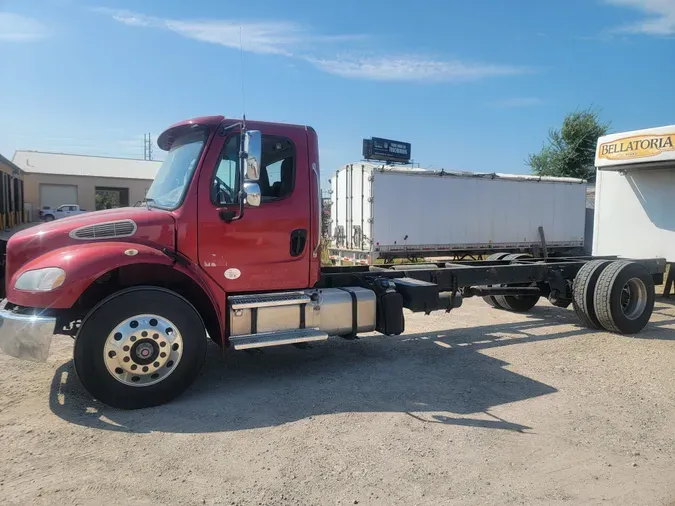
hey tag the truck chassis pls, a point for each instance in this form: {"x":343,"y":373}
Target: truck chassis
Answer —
{"x":552,"y":276}
{"x":607,"y":293}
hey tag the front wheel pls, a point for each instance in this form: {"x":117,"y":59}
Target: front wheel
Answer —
{"x":140,"y":347}
{"x":49,"y":217}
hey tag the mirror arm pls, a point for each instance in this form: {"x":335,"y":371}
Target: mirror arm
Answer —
{"x":229,"y":216}
{"x":242,"y":198}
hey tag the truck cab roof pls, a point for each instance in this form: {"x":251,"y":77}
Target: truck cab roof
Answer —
{"x":166,"y":138}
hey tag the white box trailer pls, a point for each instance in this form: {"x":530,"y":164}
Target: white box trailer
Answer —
{"x":384,"y":211}
{"x":635,"y":194}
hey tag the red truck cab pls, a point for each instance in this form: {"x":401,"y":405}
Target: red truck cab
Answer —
{"x":197,"y":238}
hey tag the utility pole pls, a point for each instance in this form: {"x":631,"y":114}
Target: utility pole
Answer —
{"x":147,"y":146}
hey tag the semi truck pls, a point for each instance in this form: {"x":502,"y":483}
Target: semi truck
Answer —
{"x":390,"y":211}
{"x":226,"y":246}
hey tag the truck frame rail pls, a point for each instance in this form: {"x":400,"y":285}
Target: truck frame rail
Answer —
{"x":469,"y":273}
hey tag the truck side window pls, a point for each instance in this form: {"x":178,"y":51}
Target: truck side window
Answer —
{"x":277,"y":176}
{"x":225,"y":184}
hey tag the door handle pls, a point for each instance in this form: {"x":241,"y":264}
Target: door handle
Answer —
{"x":298,"y":241}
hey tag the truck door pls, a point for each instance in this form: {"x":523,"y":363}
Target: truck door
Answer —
{"x":268,"y":249}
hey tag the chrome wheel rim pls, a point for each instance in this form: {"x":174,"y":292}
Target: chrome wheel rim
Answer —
{"x":633,"y":298}
{"x":143,"y":350}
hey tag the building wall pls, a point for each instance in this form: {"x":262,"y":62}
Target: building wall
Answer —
{"x":6,"y":168}
{"x":11,"y":194}
{"x":86,"y":188}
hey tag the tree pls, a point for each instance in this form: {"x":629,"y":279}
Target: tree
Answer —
{"x":571,"y":150}
{"x":105,"y":200}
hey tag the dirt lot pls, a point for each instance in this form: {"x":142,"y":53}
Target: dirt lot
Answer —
{"x":476,"y":407}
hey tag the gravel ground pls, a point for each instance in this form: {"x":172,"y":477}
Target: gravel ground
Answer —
{"x":476,"y":407}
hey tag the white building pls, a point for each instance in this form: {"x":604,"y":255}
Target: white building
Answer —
{"x":54,"y":179}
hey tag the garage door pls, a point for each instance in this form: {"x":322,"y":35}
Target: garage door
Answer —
{"x":55,"y":195}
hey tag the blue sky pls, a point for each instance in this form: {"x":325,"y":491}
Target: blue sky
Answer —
{"x":473,"y":85}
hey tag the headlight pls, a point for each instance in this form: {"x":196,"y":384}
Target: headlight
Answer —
{"x":41,"y":280}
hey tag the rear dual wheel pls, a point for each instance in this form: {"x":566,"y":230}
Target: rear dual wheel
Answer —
{"x":490,"y":299}
{"x":513,"y":303}
{"x":140,"y":347}
{"x":583,"y":292}
{"x":616,"y":296}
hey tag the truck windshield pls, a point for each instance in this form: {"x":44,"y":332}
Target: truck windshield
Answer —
{"x":168,"y":189}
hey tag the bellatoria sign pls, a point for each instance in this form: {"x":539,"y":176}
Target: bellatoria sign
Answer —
{"x":638,"y":146}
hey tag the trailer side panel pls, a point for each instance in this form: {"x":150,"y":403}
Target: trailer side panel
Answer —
{"x":423,"y":212}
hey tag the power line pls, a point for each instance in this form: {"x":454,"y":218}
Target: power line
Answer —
{"x":115,"y":147}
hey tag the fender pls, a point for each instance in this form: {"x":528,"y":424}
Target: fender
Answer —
{"x":83,"y":264}
{"x":214,"y":292}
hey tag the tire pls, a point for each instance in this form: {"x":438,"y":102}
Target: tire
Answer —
{"x":624,"y":297}
{"x":583,"y":292}
{"x":516,"y":303}
{"x":122,"y":338}
{"x":49,"y":217}
{"x":490,"y":299}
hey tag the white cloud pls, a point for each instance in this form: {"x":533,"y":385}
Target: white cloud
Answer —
{"x":265,"y":37}
{"x":131,"y":19}
{"x":659,"y":20}
{"x":413,"y":68}
{"x":292,"y":40}
{"x":17,"y":28}
{"x":517,"y":102}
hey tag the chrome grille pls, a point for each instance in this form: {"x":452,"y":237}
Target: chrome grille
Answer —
{"x":122,"y":228}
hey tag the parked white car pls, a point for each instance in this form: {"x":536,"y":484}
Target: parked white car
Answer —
{"x":61,"y":212}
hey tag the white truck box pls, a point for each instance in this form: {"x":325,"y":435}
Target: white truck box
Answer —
{"x":635,"y":194}
{"x":385,"y":211}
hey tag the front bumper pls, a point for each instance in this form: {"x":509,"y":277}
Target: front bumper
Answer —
{"x":25,"y":336}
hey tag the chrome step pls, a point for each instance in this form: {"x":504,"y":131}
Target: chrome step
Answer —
{"x":264,"y":339}
{"x":267,"y":299}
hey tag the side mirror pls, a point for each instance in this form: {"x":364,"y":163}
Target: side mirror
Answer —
{"x":253,"y":195}
{"x":253,"y":154}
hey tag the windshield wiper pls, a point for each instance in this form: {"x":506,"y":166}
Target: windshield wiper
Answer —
{"x":147,"y":201}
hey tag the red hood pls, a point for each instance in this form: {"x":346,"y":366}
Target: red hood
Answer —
{"x":155,"y":227}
